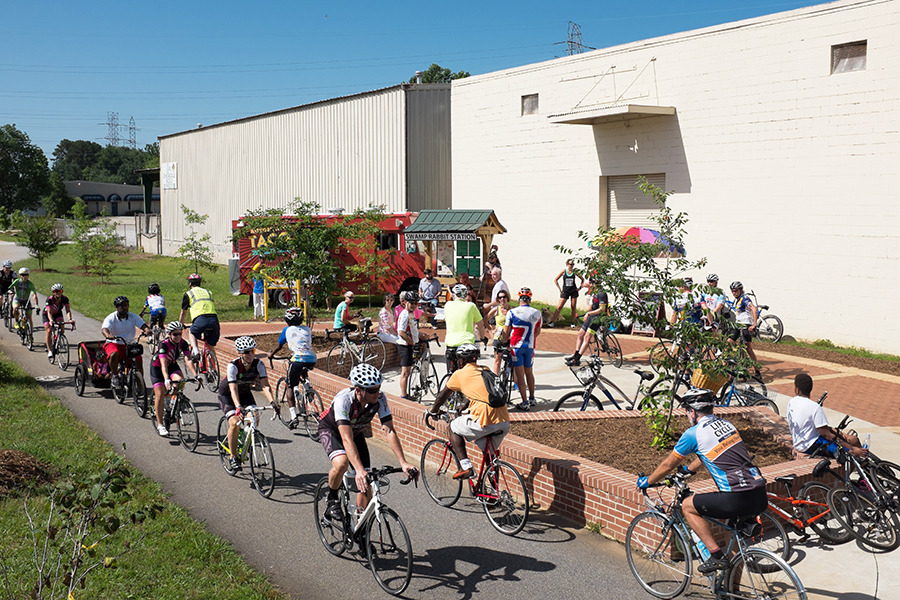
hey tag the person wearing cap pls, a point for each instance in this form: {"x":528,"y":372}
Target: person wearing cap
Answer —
{"x":522,"y":328}
{"x":717,"y":446}
{"x":204,"y":321}
{"x":430,"y":291}
{"x":342,"y":317}
{"x":568,"y":291}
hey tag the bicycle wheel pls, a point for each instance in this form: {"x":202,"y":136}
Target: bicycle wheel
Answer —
{"x":281,"y":402}
{"x":373,"y":353}
{"x":138,"y":393}
{"x":438,"y":465}
{"x":760,"y":574}
{"x":819,"y":516}
{"x":660,"y":355}
{"x":752,"y":384}
{"x":415,"y":391}
{"x":188,"y":423}
{"x":505,"y":498}
{"x":27,"y":336}
{"x":771,"y":537}
{"x":62,"y":352}
{"x":576,"y":401}
{"x":80,"y":379}
{"x":613,"y":351}
{"x":389,"y":551}
{"x":339,"y":361}
{"x":770,"y":404}
{"x":222,"y":445}
{"x":659,"y":556}
{"x":120,"y":393}
{"x":262,"y":465}
{"x":871,"y":525}
{"x":431,"y":381}
{"x":212,"y":371}
{"x":312,"y":410}
{"x":334,"y":535}
{"x":885,"y":477}
{"x":769,"y":329}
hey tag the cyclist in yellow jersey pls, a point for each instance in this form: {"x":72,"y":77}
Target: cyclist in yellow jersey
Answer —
{"x":198,"y":301}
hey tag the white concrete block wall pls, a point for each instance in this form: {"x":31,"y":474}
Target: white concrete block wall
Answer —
{"x":789,"y":174}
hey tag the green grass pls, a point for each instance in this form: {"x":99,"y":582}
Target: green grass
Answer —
{"x":849,"y":351}
{"x":177,"y":559}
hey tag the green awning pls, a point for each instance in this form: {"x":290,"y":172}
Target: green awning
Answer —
{"x":453,"y":225}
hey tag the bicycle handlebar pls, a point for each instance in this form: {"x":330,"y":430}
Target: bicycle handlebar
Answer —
{"x":374,"y":473}
{"x":821,"y":399}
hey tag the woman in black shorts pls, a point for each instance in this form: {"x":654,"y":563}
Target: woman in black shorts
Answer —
{"x":568,"y":291}
{"x":164,"y":369}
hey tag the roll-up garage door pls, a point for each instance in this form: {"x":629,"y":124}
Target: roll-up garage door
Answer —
{"x":628,"y":207}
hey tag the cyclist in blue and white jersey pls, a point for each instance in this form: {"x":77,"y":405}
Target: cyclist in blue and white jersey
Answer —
{"x":299,"y":339}
{"x":523,"y":326}
{"x":746,"y":315}
{"x":156,"y":304}
{"x":718,"y":446}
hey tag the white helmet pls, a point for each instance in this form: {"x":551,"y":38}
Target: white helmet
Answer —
{"x":460,"y":291}
{"x":24,"y":271}
{"x":7,"y":264}
{"x":244,"y":343}
{"x":56,"y":286}
{"x":365,"y":376}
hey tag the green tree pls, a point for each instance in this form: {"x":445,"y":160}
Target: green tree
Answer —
{"x":58,"y":203}
{"x":371,"y":268}
{"x":40,"y":237}
{"x":151,"y":155}
{"x":24,"y":174}
{"x":116,"y":164}
{"x":195,"y":250}
{"x":72,"y":158}
{"x":104,"y":246}
{"x":438,"y":74}
{"x":81,"y":234}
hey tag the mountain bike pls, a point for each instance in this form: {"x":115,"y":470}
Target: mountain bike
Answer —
{"x":59,"y":343}
{"x":346,"y":354}
{"x":809,"y":508}
{"x":178,"y":409}
{"x":499,"y":488}
{"x":377,"y":529}
{"x":23,"y":327}
{"x":207,"y":366}
{"x":603,"y":341}
{"x":308,"y":403}
{"x":131,"y":380}
{"x":588,"y":375}
{"x":507,"y":379}
{"x":661,"y":547}
{"x":253,"y":447}
{"x":423,"y":377}
{"x":769,"y":327}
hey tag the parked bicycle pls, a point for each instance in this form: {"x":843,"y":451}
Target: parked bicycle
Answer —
{"x":346,"y":354}
{"x":605,"y":342}
{"x":307,"y":401}
{"x":131,"y":380}
{"x":661,"y":547}
{"x":809,"y":508}
{"x":423,"y":377}
{"x":207,"y":365}
{"x":588,"y":375}
{"x":178,"y":409}
{"x":377,"y":528}
{"x":253,"y":447}
{"x":769,"y":327}
{"x":59,"y":344}
{"x":499,"y":487}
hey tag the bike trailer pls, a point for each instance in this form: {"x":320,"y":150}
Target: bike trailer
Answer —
{"x":93,"y":357}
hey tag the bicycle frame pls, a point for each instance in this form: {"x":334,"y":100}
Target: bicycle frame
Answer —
{"x":799,"y":524}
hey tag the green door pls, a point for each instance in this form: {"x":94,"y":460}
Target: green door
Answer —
{"x":468,"y":258}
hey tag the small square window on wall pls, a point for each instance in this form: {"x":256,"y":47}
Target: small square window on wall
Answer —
{"x":848,"y":57}
{"x":530,"y":104}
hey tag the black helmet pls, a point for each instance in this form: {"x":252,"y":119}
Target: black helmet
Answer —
{"x":293,"y":316}
{"x":699,"y":399}
{"x":120,"y":300}
{"x":737,"y":285}
{"x":153,"y":288}
{"x":467,"y":353}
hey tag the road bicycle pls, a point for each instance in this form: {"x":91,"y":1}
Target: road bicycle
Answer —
{"x":377,"y":529}
{"x":499,"y":487}
{"x":178,"y":409}
{"x":769,"y":327}
{"x":603,"y":341}
{"x":423,"y":377}
{"x":737,"y":390}
{"x":59,"y":344}
{"x":588,"y":375}
{"x":131,"y":379}
{"x":661,"y":547}
{"x":6,"y":311}
{"x":23,"y":327}
{"x":809,"y":508}
{"x":253,"y":447}
{"x":207,"y":365}
{"x":506,"y":377}
{"x":346,"y":354}
{"x":308,"y":402}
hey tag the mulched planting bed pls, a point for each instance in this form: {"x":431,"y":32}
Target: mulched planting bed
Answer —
{"x":624,"y":444}
{"x":888,"y":367}
{"x":19,"y":469}
{"x":268,"y":341}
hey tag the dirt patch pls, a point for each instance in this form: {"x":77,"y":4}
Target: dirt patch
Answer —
{"x":268,"y":341}
{"x":19,"y":469}
{"x":624,"y":444}
{"x":888,"y":367}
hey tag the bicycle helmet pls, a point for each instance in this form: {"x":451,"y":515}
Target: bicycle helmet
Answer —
{"x":7,"y":264}
{"x":460,"y":291}
{"x":699,"y":399}
{"x":56,"y":287}
{"x":467,"y":353}
{"x":688,"y":281}
{"x":194,"y":277}
{"x":244,"y":343}
{"x":174,"y":326}
{"x":120,"y":300}
{"x":411,"y":297}
{"x":24,"y":271}
{"x":737,"y":285}
{"x":153,"y":288}
{"x":365,"y":376}
{"x":712,"y":277}
{"x":293,"y":316}
{"x":525,"y":293}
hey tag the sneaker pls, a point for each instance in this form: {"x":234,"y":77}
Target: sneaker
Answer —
{"x":713,"y":564}
{"x":465,"y":473}
{"x":161,"y":429}
{"x":294,"y":422}
{"x":532,"y":402}
{"x":522,"y":405}
{"x":333,"y":510}
{"x":195,"y":356}
{"x":115,"y":381}
{"x":50,"y":354}
{"x":573,"y":360}
{"x":234,"y":464}
{"x":572,"y":325}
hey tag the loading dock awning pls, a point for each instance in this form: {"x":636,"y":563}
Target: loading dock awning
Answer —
{"x":609,"y":114}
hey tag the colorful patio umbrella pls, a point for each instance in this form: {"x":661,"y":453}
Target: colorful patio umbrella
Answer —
{"x":642,"y":235}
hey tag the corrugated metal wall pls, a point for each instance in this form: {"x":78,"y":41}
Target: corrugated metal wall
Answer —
{"x":428,"y":145}
{"x":346,"y":153}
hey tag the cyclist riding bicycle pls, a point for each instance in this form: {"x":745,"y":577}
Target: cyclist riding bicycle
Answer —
{"x":53,"y":312}
{"x":343,"y":430}
{"x":199,"y":302}
{"x":303,"y":359}
{"x":7,"y":276}
{"x":482,"y":420}
{"x":235,"y":390}
{"x":164,"y":369}
{"x":156,"y":304}
{"x":593,"y":320}
{"x":810,"y":432}
{"x":462,"y":318}
{"x":718,"y":446}
{"x":121,"y":323}
{"x":24,"y":296}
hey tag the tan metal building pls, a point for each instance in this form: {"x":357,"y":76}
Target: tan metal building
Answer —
{"x":388,"y":147}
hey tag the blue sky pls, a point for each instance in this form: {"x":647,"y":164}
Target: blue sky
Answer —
{"x":172,"y":65}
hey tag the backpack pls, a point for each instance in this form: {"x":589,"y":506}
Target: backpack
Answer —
{"x":496,"y":393}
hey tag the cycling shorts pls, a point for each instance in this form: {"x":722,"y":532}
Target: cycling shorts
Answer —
{"x":208,"y":324}
{"x":743,"y":334}
{"x":159,"y":318}
{"x":725,"y":505}
{"x":58,"y":318}
{"x":566,"y":293}
{"x":298,"y":371}
{"x":333,"y":443}
{"x":227,"y":404}
{"x":405,"y":352}
{"x":156,"y":375}
{"x":524,"y":357}
{"x":592,"y":323}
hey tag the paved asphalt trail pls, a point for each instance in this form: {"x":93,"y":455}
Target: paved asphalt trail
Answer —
{"x":457,"y":553}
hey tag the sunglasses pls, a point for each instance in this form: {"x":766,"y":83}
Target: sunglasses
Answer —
{"x":374,"y":390}
{"x":176,"y":334}
{"x":246,"y":352}
{"x":502,"y":297}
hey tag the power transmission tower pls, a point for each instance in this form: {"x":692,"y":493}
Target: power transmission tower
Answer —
{"x":112,"y":123}
{"x":132,"y":134}
{"x":574,"y":44}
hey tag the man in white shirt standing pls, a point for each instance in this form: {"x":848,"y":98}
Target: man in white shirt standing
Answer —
{"x":809,"y":426}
